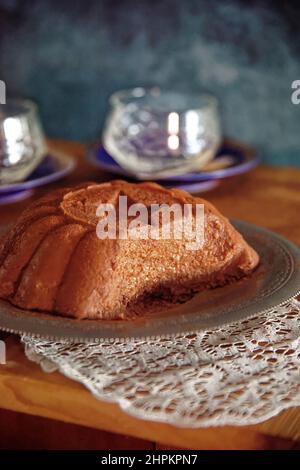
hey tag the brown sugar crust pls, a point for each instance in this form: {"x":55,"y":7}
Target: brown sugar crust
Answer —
{"x":53,"y":261}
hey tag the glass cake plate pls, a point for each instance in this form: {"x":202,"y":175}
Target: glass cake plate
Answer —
{"x":275,"y":281}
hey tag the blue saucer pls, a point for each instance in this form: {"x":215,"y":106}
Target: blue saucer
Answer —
{"x":55,"y":166}
{"x":242,"y":161}
{"x":196,"y":187}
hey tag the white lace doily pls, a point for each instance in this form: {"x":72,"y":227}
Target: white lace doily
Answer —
{"x":240,"y":374}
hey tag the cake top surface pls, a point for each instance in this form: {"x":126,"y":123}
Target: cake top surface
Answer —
{"x":81,"y":204}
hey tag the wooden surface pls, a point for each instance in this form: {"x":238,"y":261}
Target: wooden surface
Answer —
{"x":24,"y":432}
{"x":267,"y":196}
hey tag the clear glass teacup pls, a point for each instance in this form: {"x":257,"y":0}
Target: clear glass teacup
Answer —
{"x":22,"y":141}
{"x":154,"y":133}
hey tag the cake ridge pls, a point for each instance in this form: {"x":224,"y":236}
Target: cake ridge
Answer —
{"x":15,"y":282}
{"x":8,"y":240}
{"x":27,"y":218}
{"x":62,"y":280}
{"x":54,"y":231}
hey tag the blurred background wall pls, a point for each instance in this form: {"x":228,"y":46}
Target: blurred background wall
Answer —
{"x":70,"y":55}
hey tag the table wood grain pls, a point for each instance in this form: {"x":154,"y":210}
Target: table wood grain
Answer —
{"x":267,"y":196}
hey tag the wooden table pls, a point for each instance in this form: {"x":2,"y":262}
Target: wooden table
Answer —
{"x":267,"y":196}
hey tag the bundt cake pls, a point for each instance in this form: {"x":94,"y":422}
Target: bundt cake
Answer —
{"x":53,"y":261}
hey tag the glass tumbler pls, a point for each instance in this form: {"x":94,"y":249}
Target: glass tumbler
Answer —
{"x":153,"y":133}
{"x":22,"y":142}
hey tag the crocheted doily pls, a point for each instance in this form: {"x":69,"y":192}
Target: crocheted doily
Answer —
{"x":240,"y":374}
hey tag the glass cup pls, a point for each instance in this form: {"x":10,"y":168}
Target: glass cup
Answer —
{"x":153,"y":133}
{"x":22,"y":142}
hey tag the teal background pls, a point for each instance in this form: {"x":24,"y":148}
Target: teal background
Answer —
{"x":70,"y":55}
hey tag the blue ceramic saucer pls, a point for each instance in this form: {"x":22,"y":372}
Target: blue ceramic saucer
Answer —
{"x":55,"y":166}
{"x":196,"y":187}
{"x":242,"y":160}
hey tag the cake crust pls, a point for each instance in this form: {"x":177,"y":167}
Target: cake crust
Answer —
{"x":53,"y":261}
